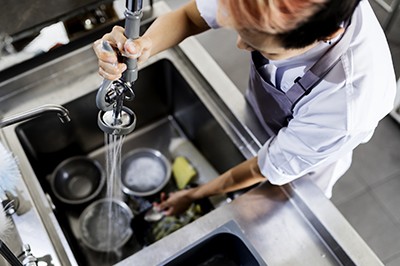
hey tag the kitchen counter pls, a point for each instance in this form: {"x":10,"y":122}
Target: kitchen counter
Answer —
{"x":289,"y":225}
{"x":277,"y":228}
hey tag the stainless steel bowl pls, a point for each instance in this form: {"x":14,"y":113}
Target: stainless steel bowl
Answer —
{"x":105,"y":225}
{"x":77,"y":180}
{"x":144,"y":172}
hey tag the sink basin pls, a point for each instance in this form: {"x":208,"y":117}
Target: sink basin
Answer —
{"x":166,"y":108}
{"x":178,"y":100}
{"x":182,"y":94}
{"x":161,"y":93}
{"x":226,"y":245}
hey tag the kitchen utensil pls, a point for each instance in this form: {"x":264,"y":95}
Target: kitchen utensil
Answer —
{"x":153,"y":215}
{"x":144,"y":172}
{"x":77,"y":180}
{"x":105,"y":225}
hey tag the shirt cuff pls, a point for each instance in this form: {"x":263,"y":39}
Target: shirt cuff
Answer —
{"x":274,"y":175}
{"x":208,"y":11}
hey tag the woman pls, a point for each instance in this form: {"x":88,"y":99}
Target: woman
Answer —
{"x":321,"y":79}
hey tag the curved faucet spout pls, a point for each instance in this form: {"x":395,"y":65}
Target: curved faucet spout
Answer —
{"x":61,"y":111}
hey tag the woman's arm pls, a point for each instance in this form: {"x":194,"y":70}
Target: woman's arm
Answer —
{"x":172,"y":28}
{"x":166,"y":31}
{"x":241,"y":176}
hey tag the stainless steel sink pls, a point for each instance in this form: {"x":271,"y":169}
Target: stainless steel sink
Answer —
{"x":181,"y":93}
{"x":166,"y":108}
{"x":172,"y":102}
{"x":162,"y":94}
{"x":225,"y":245}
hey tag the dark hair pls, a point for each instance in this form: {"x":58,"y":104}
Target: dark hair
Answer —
{"x":320,"y":25}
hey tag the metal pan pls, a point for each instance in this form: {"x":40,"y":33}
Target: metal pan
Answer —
{"x":105,"y":225}
{"x":77,"y":180}
{"x":144,"y":172}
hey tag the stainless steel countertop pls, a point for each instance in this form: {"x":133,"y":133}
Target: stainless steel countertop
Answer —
{"x":289,"y":225}
{"x":269,"y":220}
{"x":275,"y":225}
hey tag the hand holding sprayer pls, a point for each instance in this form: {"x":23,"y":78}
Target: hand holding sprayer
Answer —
{"x":115,"y":118}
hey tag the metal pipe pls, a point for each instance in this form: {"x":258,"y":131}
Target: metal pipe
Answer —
{"x":133,"y":14}
{"x":61,"y":111}
{"x":134,"y":5}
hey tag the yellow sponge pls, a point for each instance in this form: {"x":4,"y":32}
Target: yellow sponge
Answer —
{"x":183,"y":171}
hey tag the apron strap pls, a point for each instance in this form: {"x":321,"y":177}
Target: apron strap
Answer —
{"x":303,"y":85}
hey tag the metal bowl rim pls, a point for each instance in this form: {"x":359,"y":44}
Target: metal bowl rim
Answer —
{"x":88,"y":198}
{"x":124,"y":206}
{"x":157,"y":154}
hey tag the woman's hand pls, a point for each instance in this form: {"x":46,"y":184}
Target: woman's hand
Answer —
{"x":109,"y":67}
{"x":177,"y":202}
{"x":241,"y":176}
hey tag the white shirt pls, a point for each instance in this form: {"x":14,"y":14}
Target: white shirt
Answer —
{"x":340,"y":113}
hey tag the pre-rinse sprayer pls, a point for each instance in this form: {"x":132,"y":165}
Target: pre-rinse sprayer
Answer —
{"x":114,"y":118}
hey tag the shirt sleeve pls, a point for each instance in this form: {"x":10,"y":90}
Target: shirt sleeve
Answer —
{"x":208,"y":11}
{"x":340,"y":113}
{"x":287,"y":156}
{"x":321,"y":132}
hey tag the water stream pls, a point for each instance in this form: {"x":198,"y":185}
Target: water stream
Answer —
{"x":113,"y":165}
{"x":114,"y":190}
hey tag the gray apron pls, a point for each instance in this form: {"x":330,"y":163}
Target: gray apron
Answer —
{"x":273,"y":107}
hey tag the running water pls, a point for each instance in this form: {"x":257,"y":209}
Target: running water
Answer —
{"x":113,"y":165}
{"x":114,"y":189}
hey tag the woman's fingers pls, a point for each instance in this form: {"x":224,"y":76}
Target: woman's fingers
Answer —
{"x":103,"y":54}
{"x":112,"y":69}
{"x":138,"y":49}
{"x":116,"y":38}
{"x":109,"y":67}
{"x":113,"y":72}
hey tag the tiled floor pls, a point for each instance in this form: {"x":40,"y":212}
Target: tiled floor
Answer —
{"x":369,"y":193}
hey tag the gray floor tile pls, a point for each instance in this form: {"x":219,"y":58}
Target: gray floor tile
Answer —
{"x":373,"y":224}
{"x":388,"y":194}
{"x":221,"y":44}
{"x":379,"y":158}
{"x":348,"y":187}
{"x":393,"y":261}
{"x":395,"y":50}
{"x":392,"y":34}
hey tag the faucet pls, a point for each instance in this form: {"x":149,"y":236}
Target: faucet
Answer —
{"x":61,"y":111}
{"x":133,"y":14}
{"x":115,"y":118}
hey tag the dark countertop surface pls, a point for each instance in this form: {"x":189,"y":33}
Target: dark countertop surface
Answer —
{"x":25,"y":15}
